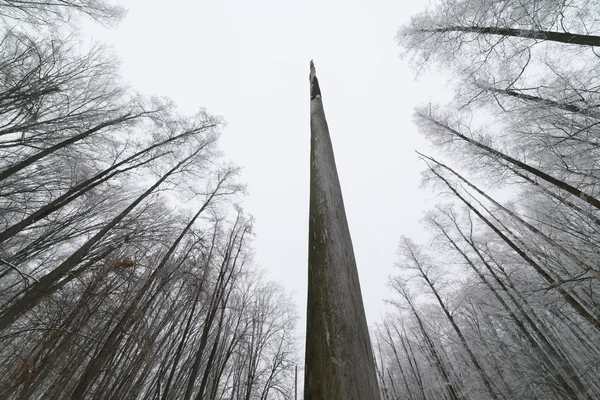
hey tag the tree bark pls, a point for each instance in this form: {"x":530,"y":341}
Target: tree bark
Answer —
{"x":339,"y":361}
{"x":452,"y":392}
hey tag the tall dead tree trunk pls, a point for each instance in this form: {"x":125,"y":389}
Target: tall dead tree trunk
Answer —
{"x":339,"y":358}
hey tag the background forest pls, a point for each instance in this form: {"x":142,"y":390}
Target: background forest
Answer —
{"x":127,"y":266}
{"x":126,"y":259}
{"x":503,"y":303}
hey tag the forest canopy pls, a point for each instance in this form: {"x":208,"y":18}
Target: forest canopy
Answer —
{"x":503,"y":302}
{"x":126,"y":261}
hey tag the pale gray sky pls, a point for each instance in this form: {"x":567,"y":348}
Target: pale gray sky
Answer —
{"x":248,"y":61}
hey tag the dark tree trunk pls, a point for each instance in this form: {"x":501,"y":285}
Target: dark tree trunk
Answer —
{"x":38,"y":156}
{"x":534,"y":171}
{"x":576,"y":260}
{"x":573,"y":302}
{"x":547,"y":102}
{"x":44,"y":287}
{"x":482,"y":374}
{"x":339,"y":358}
{"x":561,"y":37}
{"x":544,"y":353}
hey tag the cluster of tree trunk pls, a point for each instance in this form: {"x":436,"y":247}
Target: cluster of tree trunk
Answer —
{"x":504,"y":302}
{"x":126,"y":266}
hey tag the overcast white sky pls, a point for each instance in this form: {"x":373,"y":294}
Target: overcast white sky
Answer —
{"x":248,"y":61}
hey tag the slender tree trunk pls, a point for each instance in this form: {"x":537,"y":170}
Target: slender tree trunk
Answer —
{"x":211,"y":357}
{"x":412,"y":361}
{"x":534,"y":171}
{"x":179,"y":351}
{"x":452,"y":392}
{"x":558,"y":363}
{"x":457,"y":330}
{"x":132,"y":314}
{"x":560,"y":37}
{"x":180,"y":347}
{"x":43,"y":287}
{"x":546,"y":102}
{"x":221,"y":286}
{"x":396,"y":395}
{"x":580,"y":309}
{"x":380,"y":370}
{"x":399,"y":364}
{"x":74,"y":139}
{"x":555,"y":196}
{"x":87,"y":185}
{"x":576,"y":260}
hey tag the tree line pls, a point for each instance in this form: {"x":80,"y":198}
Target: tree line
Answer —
{"x":503,"y":301}
{"x":126,"y":266}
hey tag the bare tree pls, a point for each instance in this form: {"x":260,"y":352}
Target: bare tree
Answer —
{"x":509,"y":279}
{"x":126,"y":268}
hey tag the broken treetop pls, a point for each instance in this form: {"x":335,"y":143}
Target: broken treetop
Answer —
{"x":315,"y":91}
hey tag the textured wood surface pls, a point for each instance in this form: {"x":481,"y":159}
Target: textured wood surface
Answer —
{"x":339,"y":359}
